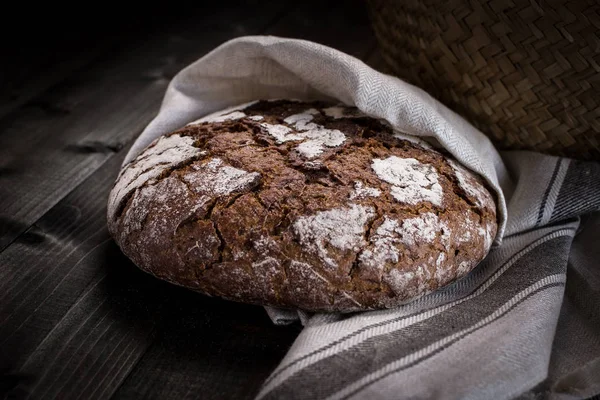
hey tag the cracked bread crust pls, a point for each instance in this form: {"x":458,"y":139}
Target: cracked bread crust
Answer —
{"x":301,"y":205}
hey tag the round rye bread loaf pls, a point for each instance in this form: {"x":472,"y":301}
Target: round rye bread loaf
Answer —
{"x":301,"y":205}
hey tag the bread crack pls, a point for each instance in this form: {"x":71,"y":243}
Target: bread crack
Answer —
{"x":222,"y":244}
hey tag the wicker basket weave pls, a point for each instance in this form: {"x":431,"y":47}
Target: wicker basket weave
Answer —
{"x":525,"y":72}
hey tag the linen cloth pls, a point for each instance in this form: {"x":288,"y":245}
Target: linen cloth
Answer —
{"x":524,"y":323}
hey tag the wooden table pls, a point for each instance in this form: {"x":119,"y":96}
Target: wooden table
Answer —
{"x":78,"y":319}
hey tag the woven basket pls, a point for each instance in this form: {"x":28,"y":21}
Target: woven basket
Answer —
{"x":525,"y":72}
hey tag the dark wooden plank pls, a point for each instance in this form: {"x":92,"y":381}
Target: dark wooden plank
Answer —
{"x":72,"y":304}
{"x":209,"y":353}
{"x":51,"y":145}
{"x":32,"y":73}
{"x":33,"y":63}
{"x":46,"y":270}
{"x":55,"y":42}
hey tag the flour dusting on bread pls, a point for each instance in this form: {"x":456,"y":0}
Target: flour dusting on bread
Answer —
{"x":470,"y":185}
{"x":217,"y":178}
{"x":165,"y":153}
{"x":342,"y":228}
{"x":412,"y":181}
{"x":314,"y":137}
{"x":227,"y":114}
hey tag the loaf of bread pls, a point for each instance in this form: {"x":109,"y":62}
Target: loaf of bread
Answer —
{"x":301,"y":205}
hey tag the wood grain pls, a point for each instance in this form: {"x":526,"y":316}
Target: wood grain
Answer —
{"x":47,"y":269}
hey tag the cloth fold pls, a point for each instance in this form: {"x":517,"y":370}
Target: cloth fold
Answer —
{"x":523,"y":323}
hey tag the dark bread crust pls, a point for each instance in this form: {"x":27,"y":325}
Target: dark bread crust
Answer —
{"x":231,"y":209}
